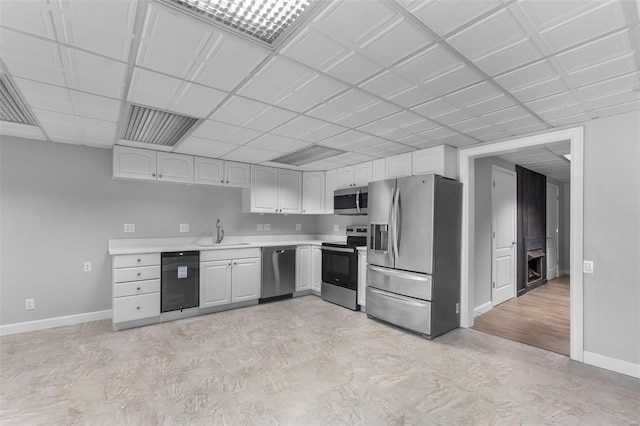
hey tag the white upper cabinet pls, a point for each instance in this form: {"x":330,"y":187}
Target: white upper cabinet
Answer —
{"x":273,"y":191}
{"x":357,"y":175}
{"x":175,"y":167}
{"x":313,"y":193}
{"x":134,"y":163}
{"x":441,"y":160}
{"x":237,"y":174}
{"x":399,"y":166}
{"x":331,"y":184}
{"x":379,"y":169}
{"x":211,"y":171}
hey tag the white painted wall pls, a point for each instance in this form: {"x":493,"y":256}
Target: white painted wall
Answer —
{"x":60,"y":205}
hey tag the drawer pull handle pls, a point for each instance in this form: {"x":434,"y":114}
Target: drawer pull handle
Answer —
{"x":138,"y":273}
{"x":138,"y":288}
{"x":138,"y":307}
{"x":139,"y":260}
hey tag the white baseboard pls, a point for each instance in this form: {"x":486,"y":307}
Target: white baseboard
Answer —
{"x":22,"y":327}
{"x":563,"y":272}
{"x":482,"y":308}
{"x":613,"y":364}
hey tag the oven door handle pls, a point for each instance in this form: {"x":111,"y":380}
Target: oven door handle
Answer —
{"x":338,"y":249}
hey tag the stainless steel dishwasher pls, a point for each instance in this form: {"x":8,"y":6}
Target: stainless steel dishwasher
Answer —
{"x":278,"y":273}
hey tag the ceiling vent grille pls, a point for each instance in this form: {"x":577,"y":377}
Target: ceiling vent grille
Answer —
{"x":308,"y":155}
{"x":156,"y":127}
{"x":11,"y":106}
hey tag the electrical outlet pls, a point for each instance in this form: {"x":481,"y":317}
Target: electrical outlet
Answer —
{"x":336,"y":228}
{"x":129,"y":227}
{"x":184,"y":227}
{"x":298,"y":227}
{"x":587,"y":267}
{"x":267,"y":227}
{"x":86,"y":267}
{"x":29,"y":304}
{"x":260,"y":227}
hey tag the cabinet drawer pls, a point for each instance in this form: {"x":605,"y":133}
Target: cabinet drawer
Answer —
{"x":208,"y":255}
{"x":136,"y":307}
{"x":136,"y":287}
{"x":405,"y":312}
{"x":136,"y":274}
{"x":133,"y":260}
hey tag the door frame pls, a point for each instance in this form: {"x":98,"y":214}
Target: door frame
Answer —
{"x":557,"y":227}
{"x":514,"y":254}
{"x":466,"y":157}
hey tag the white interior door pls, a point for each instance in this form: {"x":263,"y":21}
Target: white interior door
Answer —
{"x":503,"y":208}
{"x":552,"y":231}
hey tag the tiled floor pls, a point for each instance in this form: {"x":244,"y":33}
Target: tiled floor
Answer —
{"x":298,"y":362}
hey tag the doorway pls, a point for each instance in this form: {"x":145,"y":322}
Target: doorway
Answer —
{"x":466,"y":162}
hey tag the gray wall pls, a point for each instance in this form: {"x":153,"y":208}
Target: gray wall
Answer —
{"x":60,"y":205}
{"x":612,"y":236}
{"x":326,"y":223}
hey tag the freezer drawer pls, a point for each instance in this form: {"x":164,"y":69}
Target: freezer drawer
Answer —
{"x":405,"y":312}
{"x":401,"y":282}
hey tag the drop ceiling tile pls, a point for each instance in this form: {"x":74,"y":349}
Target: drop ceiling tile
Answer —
{"x":351,"y":21}
{"x":238,"y":111}
{"x":535,"y":127}
{"x":298,"y":126}
{"x":161,"y":50}
{"x":92,"y":106}
{"x":419,"y":126}
{"x":527,"y":76}
{"x":490,"y":105}
{"x":550,"y":102}
{"x":472,"y":95}
{"x":444,"y":16}
{"x":224,"y":132}
{"x":195,"y":100}
{"x":226,"y":61}
{"x":343,"y":139}
{"x":613,"y":85}
{"x":435,"y":107}
{"x":547,"y":14}
{"x":312,"y":93}
{"x":353,"y":68}
{"x":618,"y":108}
{"x":250,"y":155}
{"x":277,"y":143}
{"x":31,"y":58}
{"x":457,"y":141}
{"x":371,"y":112}
{"x":56,"y":121}
{"x":561,"y":111}
{"x":261,"y":90}
{"x":152,"y":89}
{"x":269,"y":118}
{"x":452,"y":81}
{"x":97,"y":128}
{"x":598,"y":51}
{"x":386,"y":84}
{"x":101,"y":27}
{"x":94,"y":74}
{"x":346,"y":103}
{"x":493,"y":33}
{"x":21,"y":131}
{"x":28,"y":16}
{"x":313,"y":49}
{"x":485,"y":133}
{"x":540,"y":90}
{"x":604,"y":70}
{"x":593,"y":23}
{"x":452,"y":116}
{"x":469,"y":125}
{"x":204,"y":147}
{"x":510,"y":57}
{"x":45,"y":96}
{"x":613,"y":99}
{"x":387,"y":149}
{"x":570,"y":119}
{"x":284,"y":73}
{"x":322,"y":132}
{"x":427,"y":65}
{"x":437,"y":133}
{"x":411,"y":97}
{"x":297,"y":103}
{"x":505,"y":114}
{"x":517,"y":122}
{"x":394,"y":42}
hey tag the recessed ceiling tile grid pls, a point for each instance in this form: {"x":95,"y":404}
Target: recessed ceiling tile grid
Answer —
{"x":228,"y":133}
{"x":280,"y":144}
{"x":204,"y":147}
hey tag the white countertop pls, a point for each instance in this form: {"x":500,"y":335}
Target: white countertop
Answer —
{"x":158,"y":245}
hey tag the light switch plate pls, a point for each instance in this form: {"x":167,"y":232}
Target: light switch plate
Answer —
{"x":298,"y":227}
{"x":129,"y":227}
{"x":184,"y":227}
{"x":260,"y":227}
{"x":267,"y":227}
{"x":587,"y":267}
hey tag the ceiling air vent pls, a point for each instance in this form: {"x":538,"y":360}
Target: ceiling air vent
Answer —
{"x":157,"y":127}
{"x":11,"y":106}
{"x":308,"y":155}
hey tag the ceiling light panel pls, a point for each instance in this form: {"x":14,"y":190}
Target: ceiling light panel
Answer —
{"x":156,"y":127}
{"x":264,"y":21}
{"x":12,"y":108}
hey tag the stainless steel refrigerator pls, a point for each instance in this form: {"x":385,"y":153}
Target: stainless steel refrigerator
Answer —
{"x":413,"y":253}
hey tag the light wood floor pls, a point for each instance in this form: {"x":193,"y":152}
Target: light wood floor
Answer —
{"x":539,"y":318}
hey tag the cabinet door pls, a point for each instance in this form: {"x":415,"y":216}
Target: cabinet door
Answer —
{"x":303,"y":268}
{"x":215,"y":283}
{"x":313,"y":192}
{"x":134,"y":163}
{"x":316,"y":268}
{"x":237,"y":174}
{"x":379,"y":171}
{"x":175,"y":167}
{"x":331,"y":184}
{"x":209,"y":171}
{"x":264,"y":189}
{"x":290,"y":197}
{"x":345,"y":177}
{"x":428,"y":160}
{"x":399,"y":166}
{"x":362,"y":174}
{"x":245,"y":278}
{"x":362,"y":278}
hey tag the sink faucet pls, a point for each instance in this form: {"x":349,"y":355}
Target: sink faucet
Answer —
{"x":220,"y":232}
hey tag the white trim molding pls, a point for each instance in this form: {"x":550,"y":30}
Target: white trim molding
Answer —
{"x":23,"y":327}
{"x":485,"y":307}
{"x":466,"y":167}
{"x":613,"y":364}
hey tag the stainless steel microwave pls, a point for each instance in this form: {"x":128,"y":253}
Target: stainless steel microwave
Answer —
{"x":351,"y":201}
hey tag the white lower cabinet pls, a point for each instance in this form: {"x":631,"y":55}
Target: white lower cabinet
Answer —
{"x":362,"y":277}
{"x":229,"y":276}
{"x":316,"y":268}
{"x":308,"y":268}
{"x":136,"y":287}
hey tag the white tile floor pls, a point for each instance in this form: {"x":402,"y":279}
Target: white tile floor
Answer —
{"x":297,"y":362}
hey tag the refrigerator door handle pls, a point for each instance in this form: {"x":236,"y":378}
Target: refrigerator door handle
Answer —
{"x":391,"y":219}
{"x":396,"y":214}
